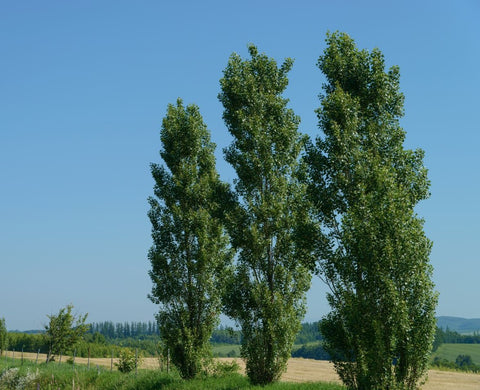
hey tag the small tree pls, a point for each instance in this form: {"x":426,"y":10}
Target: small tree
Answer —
{"x":189,"y":256}
{"x":3,"y":336}
{"x":64,"y":330}
{"x":127,"y":361}
{"x":464,"y":361}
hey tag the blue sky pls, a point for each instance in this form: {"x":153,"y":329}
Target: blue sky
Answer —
{"x":83,"y":90}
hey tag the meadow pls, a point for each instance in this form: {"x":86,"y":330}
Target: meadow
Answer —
{"x":451,"y":351}
{"x":15,"y":374}
{"x":302,"y":374}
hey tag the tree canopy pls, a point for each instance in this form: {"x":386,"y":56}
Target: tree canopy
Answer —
{"x":365,"y":186}
{"x":189,"y":256}
{"x":64,"y":331}
{"x":270,"y":225}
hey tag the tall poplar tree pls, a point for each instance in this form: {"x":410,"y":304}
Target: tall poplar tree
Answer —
{"x":365,"y":186}
{"x":3,"y":336}
{"x":270,"y":224}
{"x":190,"y":251}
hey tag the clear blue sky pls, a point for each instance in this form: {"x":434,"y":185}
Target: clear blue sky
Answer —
{"x":84,"y":86}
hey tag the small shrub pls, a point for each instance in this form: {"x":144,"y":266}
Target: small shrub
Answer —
{"x":219,"y":369}
{"x":14,"y":379}
{"x":127,"y":362}
{"x":232,"y":353}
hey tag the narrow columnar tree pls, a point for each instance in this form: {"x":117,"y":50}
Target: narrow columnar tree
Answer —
{"x":270,"y":225}
{"x":365,"y":186}
{"x":3,"y":336}
{"x":189,"y":255}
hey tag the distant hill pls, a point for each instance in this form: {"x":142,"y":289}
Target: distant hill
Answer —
{"x":458,"y":324}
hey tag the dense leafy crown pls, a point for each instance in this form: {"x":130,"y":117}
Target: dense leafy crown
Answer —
{"x":189,"y":253}
{"x":365,"y":186}
{"x":270,"y":221}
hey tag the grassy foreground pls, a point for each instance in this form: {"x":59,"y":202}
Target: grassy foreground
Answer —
{"x":15,"y":375}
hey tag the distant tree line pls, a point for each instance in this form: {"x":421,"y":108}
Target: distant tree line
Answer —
{"x":91,"y":342}
{"x":448,"y":336}
{"x":311,"y":351}
{"x":462,"y":363}
{"x":308,"y":333}
{"x":122,"y":330}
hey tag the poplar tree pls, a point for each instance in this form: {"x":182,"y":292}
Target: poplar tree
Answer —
{"x":365,"y":186}
{"x":189,"y":255}
{"x":3,"y":336}
{"x":270,"y":224}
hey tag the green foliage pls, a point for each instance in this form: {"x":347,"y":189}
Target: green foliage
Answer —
{"x":16,"y":379}
{"x":309,"y":332}
{"x":3,"y":336}
{"x":219,"y":369}
{"x":269,"y":222}
{"x":449,"y":352}
{"x":450,"y":336}
{"x":29,"y":342}
{"x":226,"y":336}
{"x":123,"y":330}
{"x":64,"y":331}
{"x":189,"y":256}
{"x":226,"y":350}
{"x":462,"y":363}
{"x":311,"y":351}
{"x":365,"y":187}
{"x":54,"y":376}
{"x":38,"y":342}
{"x":127,"y":361}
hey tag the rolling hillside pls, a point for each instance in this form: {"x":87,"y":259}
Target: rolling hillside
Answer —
{"x":458,"y":324}
{"x":451,"y":351}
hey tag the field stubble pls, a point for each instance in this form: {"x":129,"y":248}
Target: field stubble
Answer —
{"x":304,"y":370}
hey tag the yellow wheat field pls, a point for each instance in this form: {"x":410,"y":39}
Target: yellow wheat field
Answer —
{"x":304,"y":370}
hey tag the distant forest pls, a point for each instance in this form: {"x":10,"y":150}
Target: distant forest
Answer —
{"x":103,"y":336}
{"x":124,"y":330}
{"x":223,"y":335}
{"x":309,"y":333}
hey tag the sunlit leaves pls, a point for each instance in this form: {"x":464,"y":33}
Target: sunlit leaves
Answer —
{"x":365,"y":186}
{"x":189,"y":256}
{"x":266,"y":296}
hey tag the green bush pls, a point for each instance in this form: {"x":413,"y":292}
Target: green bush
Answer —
{"x":127,"y":361}
{"x":462,"y":363}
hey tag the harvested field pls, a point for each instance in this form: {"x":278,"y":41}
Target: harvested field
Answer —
{"x":308,"y":370}
{"x":304,"y":370}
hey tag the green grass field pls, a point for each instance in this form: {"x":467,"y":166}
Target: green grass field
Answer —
{"x":451,"y":351}
{"x":28,"y":376}
{"x":226,"y":350}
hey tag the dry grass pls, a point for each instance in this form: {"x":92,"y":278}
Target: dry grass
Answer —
{"x":307,"y":370}
{"x":304,"y":370}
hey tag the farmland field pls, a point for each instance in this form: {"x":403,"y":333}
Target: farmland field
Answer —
{"x":451,"y":351}
{"x":233,"y":350}
{"x":307,"y":370}
{"x":223,"y":350}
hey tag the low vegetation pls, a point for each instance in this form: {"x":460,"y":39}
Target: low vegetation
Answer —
{"x":463,"y":357}
{"x":17,"y":375}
